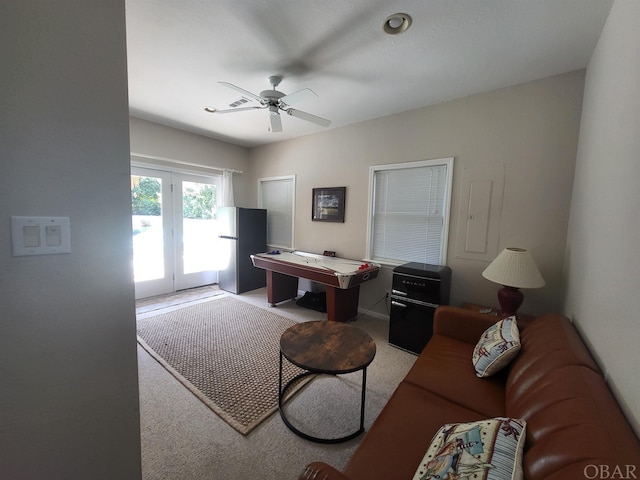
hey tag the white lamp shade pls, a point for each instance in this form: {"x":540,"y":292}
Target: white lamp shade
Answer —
{"x":514,"y":267}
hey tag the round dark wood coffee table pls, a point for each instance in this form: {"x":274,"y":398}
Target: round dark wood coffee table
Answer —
{"x":325,"y":347}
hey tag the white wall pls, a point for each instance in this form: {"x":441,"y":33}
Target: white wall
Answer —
{"x":159,"y":141}
{"x":529,"y":131}
{"x":603,"y":256}
{"x":68,"y":369}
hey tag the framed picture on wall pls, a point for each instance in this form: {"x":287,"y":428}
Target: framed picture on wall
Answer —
{"x":328,"y":204}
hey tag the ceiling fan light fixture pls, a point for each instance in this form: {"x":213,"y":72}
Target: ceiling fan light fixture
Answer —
{"x":274,"y":101}
{"x":397,"y":23}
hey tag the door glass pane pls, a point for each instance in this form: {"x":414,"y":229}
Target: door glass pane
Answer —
{"x":146,"y":220}
{"x":199,"y":226}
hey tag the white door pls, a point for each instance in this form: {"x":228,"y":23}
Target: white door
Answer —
{"x":152,"y":224}
{"x":174,"y":236}
{"x":195,"y":210}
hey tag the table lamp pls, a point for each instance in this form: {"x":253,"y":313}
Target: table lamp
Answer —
{"x":514,"y":268}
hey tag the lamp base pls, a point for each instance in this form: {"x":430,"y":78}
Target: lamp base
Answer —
{"x":510,"y":299}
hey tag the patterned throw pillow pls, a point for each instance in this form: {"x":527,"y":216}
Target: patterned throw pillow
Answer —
{"x":489,"y":449}
{"x":498,"y":345}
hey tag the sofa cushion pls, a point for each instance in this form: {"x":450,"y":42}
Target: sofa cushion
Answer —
{"x":498,"y":345}
{"x":548,"y":342}
{"x":461,"y":324}
{"x":573,"y":423}
{"x":490,"y":448}
{"x":573,"y":420}
{"x":444,"y":368}
{"x":402,"y":432}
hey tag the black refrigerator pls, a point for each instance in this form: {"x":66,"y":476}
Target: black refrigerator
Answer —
{"x":417,"y":289}
{"x":243,"y":232}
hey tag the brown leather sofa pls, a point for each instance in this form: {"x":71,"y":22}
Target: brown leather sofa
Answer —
{"x":575,"y":428}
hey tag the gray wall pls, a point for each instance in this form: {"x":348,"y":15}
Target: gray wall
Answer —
{"x":168,"y":148}
{"x":68,"y":370}
{"x":68,"y":398}
{"x":603,"y":256}
{"x":524,"y":137}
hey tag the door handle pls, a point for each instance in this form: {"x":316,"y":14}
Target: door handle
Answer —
{"x":398,"y":304}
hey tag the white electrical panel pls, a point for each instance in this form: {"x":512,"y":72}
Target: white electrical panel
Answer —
{"x":40,"y":235}
{"x":480,"y":211}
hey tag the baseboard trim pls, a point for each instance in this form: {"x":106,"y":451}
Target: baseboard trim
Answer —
{"x":368,"y":313}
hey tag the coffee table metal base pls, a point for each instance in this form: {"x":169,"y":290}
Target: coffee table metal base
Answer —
{"x":282,"y":392}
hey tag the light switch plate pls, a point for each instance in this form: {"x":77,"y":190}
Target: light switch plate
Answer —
{"x":40,"y":235}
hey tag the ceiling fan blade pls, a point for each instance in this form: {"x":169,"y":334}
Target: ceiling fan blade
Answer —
{"x":231,"y":110}
{"x":276,"y":122}
{"x":242,"y":90}
{"x":299,"y":96}
{"x":323,"y":122}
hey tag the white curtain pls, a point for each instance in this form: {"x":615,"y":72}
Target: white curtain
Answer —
{"x":227,"y":189}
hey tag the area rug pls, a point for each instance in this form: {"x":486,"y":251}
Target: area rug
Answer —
{"x":226,"y":352}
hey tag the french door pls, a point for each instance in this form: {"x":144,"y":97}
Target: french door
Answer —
{"x":174,"y":230}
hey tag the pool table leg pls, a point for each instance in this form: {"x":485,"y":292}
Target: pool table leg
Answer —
{"x":280,"y":287}
{"x":342,"y":304}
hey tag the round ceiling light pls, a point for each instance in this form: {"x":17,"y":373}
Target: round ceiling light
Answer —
{"x":396,"y":23}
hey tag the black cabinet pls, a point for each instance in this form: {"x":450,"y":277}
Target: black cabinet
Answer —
{"x":417,"y":290}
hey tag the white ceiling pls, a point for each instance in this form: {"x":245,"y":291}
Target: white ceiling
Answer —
{"x":178,"y":51}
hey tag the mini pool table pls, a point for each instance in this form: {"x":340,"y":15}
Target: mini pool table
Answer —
{"x":341,"y":276}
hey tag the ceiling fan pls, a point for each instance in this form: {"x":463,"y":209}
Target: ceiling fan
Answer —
{"x":275,"y":101}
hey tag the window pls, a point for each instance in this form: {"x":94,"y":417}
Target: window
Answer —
{"x":409,"y":207}
{"x":277,"y":195}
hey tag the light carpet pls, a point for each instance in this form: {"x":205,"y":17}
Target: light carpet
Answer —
{"x":226,"y":352}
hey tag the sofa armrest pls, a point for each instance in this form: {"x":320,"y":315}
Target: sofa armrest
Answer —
{"x":321,"y":471}
{"x":461,"y":324}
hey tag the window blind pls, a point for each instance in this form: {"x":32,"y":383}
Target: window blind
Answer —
{"x":276,"y":195}
{"x":408,"y":217}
